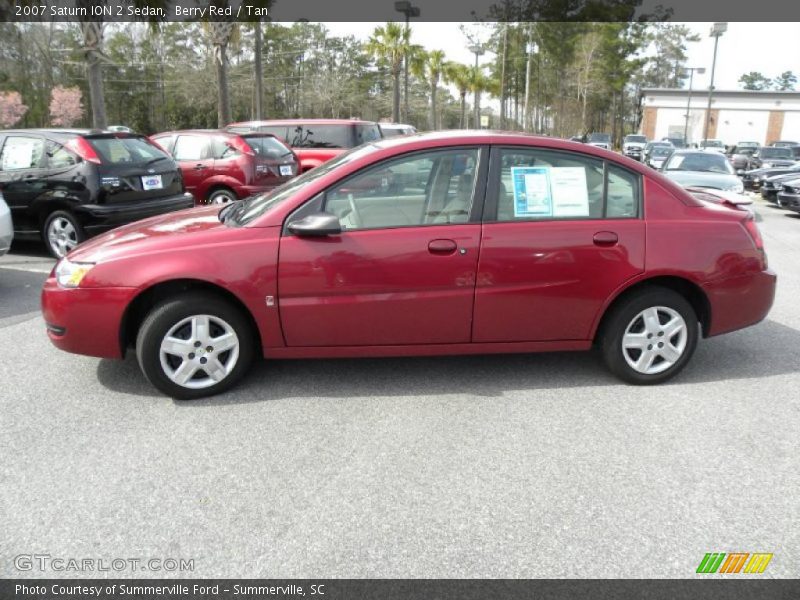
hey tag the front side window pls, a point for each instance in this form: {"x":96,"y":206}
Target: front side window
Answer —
{"x":430,"y":188}
{"x":21,"y":153}
{"x":549,"y":185}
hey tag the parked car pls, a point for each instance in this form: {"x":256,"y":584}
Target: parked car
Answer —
{"x":772,"y":156}
{"x":740,"y":158}
{"x":702,"y":168}
{"x":219,"y":166}
{"x":785,"y":144}
{"x":578,"y":138}
{"x":395,"y":129}
{"x":648,"y":148}
{"x":633,"y":146}
{"x":599,"y":140}
{"x":754,"y":179}
{"x":658,"y":155}
{"x":677,"y":142}
{"x":64,"y":185}
{"x":315,"y":141}
{"x":501,"y":243}
{"x":713,"y":145}
{"x":6,"y":227}
{"x":743,"y":145}
{"x":770,"y":186}
{"x":789,"y":195}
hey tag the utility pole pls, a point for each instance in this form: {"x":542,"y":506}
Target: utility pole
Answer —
{"x":691,"y":70}
{"x":478,"y":50}
{"x":716,"y":31}
{"x":409,"y":10}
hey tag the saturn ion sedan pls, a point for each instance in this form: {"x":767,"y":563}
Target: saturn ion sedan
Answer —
{"x":442,"y":243}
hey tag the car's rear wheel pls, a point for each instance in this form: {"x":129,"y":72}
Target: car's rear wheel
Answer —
{"x":649,"y":337}
{"x":194,"y":345}
{"x":61,"y":233}
{"x":221,"y":196}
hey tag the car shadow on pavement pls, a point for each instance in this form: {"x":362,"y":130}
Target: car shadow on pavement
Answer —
{"x":756,"y":352}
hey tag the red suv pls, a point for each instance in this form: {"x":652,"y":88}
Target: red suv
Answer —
{"x":487,"y":243}
{"x":315,"y":140}
{"x":219,"y":166}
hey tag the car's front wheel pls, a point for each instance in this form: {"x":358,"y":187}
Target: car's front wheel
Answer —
{"x":650,"y":336}
{"x":195,"y":345}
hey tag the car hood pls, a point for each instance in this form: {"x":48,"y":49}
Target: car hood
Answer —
{"x":718,"y":181}
{"x":161,"y":232}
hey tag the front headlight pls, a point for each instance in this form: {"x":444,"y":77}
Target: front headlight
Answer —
{"x":737,"y":187}
{"x":70,"y":274}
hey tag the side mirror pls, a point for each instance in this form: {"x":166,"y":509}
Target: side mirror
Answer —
{"x":318,"y":224}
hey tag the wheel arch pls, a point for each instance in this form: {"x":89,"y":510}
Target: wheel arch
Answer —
{"x":682,"y":285}
{"x":140,"y":306}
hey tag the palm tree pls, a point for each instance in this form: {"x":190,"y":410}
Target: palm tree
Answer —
{"x":458,"y":74}
{"x":430,"y":66}
{"x":220,"y":34}
{"x":478,"y":82}
{"x":390,"y":44}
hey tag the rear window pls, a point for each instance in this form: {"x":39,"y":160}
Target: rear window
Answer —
{"x":776,"y":153}
{"x":267,"y":146}
{"x":125,"y":150}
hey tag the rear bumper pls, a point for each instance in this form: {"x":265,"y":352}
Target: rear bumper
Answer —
{"x":739,"y":302}
{"x":101,"y":217}
{"x":85,"y":320}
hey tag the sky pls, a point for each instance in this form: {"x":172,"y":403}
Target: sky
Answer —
{"x":770,"y":48}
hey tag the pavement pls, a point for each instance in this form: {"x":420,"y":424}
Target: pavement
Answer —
{"x":519,"y":466}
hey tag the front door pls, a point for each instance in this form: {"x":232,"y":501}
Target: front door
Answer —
{"x":22,"y":178}
{"x":403,"y":269}
{"x":564,"y":231}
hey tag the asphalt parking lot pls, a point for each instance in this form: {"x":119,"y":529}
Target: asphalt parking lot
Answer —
{"x":500,"y":466}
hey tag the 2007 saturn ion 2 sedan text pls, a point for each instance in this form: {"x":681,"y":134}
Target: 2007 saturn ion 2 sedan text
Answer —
{"x":443,"y":243}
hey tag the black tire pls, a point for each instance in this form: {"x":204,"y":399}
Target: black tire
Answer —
{"x":164,"y":316}
{"x":221,"y":195}
{"x":77,"y":235}
{"x":623,"y":313}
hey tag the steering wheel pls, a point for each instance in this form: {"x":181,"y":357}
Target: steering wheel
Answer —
{"x":355,"y":216}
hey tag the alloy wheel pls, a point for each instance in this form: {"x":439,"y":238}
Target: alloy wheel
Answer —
{"x":654,"y":340}
{"x":62,"y":236}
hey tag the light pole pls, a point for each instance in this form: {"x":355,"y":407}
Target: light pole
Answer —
{"x":409,"y":10}
{"x":477,"y":49}
{"x":532,"y":49}
{"x":691,"y":70}
{"x":716,"y":31}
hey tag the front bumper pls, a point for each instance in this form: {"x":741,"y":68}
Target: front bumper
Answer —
{"x":102,"y":217}
{"x":789,"y":201}
{"x":86,"y":320}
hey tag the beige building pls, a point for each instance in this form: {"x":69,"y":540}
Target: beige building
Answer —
{"x":736,"y":116}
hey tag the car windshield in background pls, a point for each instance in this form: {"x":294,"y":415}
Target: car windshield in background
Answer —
{"x":243,"y":212}
{"x":125,"y":150}
{"x":267,"y":146}
{"x":698,"y":161}
{"x":776,"y":153}
{"x":638,"y":139}
{"x":661,"y":151}
{"x":599,"y":137}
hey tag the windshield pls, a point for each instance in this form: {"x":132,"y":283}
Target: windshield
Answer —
{"x":638,"y":139}
{"x":776,"y":153}
{"x":661,"y":151}
{"x":599,"y":137}
{"x":713,"y":144}
{"x":245,"y":211}
{"x":698,"y":161}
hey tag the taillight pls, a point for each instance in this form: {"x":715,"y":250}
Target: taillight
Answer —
{"x":752,"y":229}
{"x":83,"y":149}
{"x":242,"y":146}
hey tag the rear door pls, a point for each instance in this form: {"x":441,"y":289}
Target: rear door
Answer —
{"x":195,"y":158}
{"x":562,"y":232}
{"x":403,"y":269}
{"x":22,"y":176}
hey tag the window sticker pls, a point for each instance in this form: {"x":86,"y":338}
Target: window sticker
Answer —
{"x":570,"y":193}
{"x":532,"y":196}
{"x":19,"y":154}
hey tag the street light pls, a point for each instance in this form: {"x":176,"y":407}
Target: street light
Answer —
{"x":716,"y":31}
{"x":409,"y":10}
{"x":478,"y":50}
{"x":691,"y":70}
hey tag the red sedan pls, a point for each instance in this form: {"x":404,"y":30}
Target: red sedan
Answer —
{"x":485,"y":243}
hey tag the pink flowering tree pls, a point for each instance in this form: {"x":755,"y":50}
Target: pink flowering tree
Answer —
{"x":11,"y":108}
{"x":65,"y":106}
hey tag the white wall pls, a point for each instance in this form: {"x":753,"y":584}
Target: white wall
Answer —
{"x":742,"y":126}
{"x":791,"y":127}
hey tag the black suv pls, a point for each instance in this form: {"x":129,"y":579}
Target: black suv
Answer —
{"x":65,"y":185}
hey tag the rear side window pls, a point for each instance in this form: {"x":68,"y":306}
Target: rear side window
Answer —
{"x":125,"y":150}
{"x":59,"y":157}
{"x":322,"y":136}
{"x":279,"y":131}
{"x":368,"y":133}
{"x":191,"y":147}
{"x":20,"y":152}
{"x":267,"y":146}
{"x":548,"y":185}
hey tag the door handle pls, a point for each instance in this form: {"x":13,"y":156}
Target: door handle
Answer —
{"x":442,"y":246}
{"x":199,"y":167}
{"x":605,"y":238}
